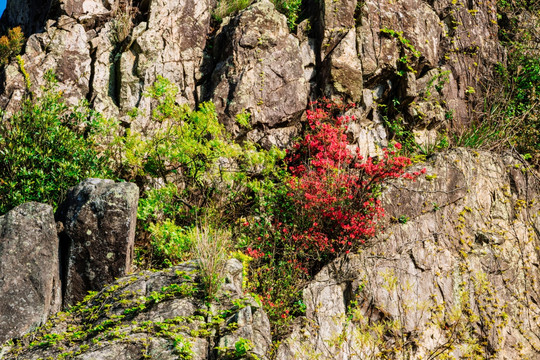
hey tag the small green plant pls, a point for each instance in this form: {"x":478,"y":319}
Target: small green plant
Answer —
{"x":291,"y":9}
{"x":403,"y":219}
{"x":26,"y":76}
{"x":406,"y":45}
{"x":244,"y":119}
{"x":229,"y":7}
{"x":242,"y":346}
{"x":11,"y":45}
{"x":123,"y":21}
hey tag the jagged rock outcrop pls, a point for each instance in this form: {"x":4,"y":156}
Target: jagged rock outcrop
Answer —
{"x":160,"y":315}
{"x":341,"y":67}
{"x":169,"y":44}
{"x":29,"y":269}
{"x":259,"y":69}
{"x":456,"y":274}
{"x":99,"y":218}
{"x":424,"y":62}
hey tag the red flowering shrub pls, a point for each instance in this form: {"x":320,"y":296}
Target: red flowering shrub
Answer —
{"x":334,"y":189}
{"x":326,"y":206}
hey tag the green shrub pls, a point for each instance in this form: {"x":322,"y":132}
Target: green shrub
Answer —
{"x":44,"y":150}
{"x":11,"y":45}
{"x":291,"y":9}
{"x":190,"y":169}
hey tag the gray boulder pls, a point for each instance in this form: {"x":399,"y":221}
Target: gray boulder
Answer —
{"x":158,"y":315}
{"x":99,"y":218}
{"x":29,"y":278}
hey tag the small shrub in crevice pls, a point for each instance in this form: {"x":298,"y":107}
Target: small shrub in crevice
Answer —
{"x":226,"y":8}
{"x":290,"y":8}
{"x":211,"y":248}
{"x":11,"y":45}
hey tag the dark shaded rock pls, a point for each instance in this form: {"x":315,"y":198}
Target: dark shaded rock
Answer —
{"x":30,"y":15}
{"x":30,"y":287}
{"x":99,"y":218}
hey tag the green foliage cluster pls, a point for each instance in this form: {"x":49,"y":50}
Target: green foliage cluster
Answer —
{"x":46,"y":148}
{"x":11,"y":45}
{"x":291,"y":9}
{"x":408,"y":48}
{"x":229,"y":7}
{"x":191,"y":170}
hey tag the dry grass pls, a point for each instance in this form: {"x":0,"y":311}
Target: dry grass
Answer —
{"x":211,"y":247}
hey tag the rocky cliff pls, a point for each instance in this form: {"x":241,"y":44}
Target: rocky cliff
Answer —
{"x":456,"y":277}
{"x":454,"y":274}
{"x":425,"y":60}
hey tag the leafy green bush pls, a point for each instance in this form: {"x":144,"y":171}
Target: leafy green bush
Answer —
{"x":190,"y":170}
{"x":44,"y":150}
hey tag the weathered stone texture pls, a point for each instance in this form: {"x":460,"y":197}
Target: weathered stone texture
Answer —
{"x":259,"y":68}
{"x":459,"y":270}
{"x":30,"y":289}
{"x":142,"y":304}
{"x":99,"y":218}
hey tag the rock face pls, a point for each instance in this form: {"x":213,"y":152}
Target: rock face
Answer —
{"x":170,"y":44}
{"x":153,"y":314}
{"x":259,"y":68}
{"x":423,"y":62}
{"x":29,"y":277}
{"x":99,"y":218}
{"x":456,"y":275}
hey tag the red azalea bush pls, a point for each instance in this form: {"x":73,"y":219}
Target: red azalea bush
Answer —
{"x":334,"y":189}
{"x":327,"y":206}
